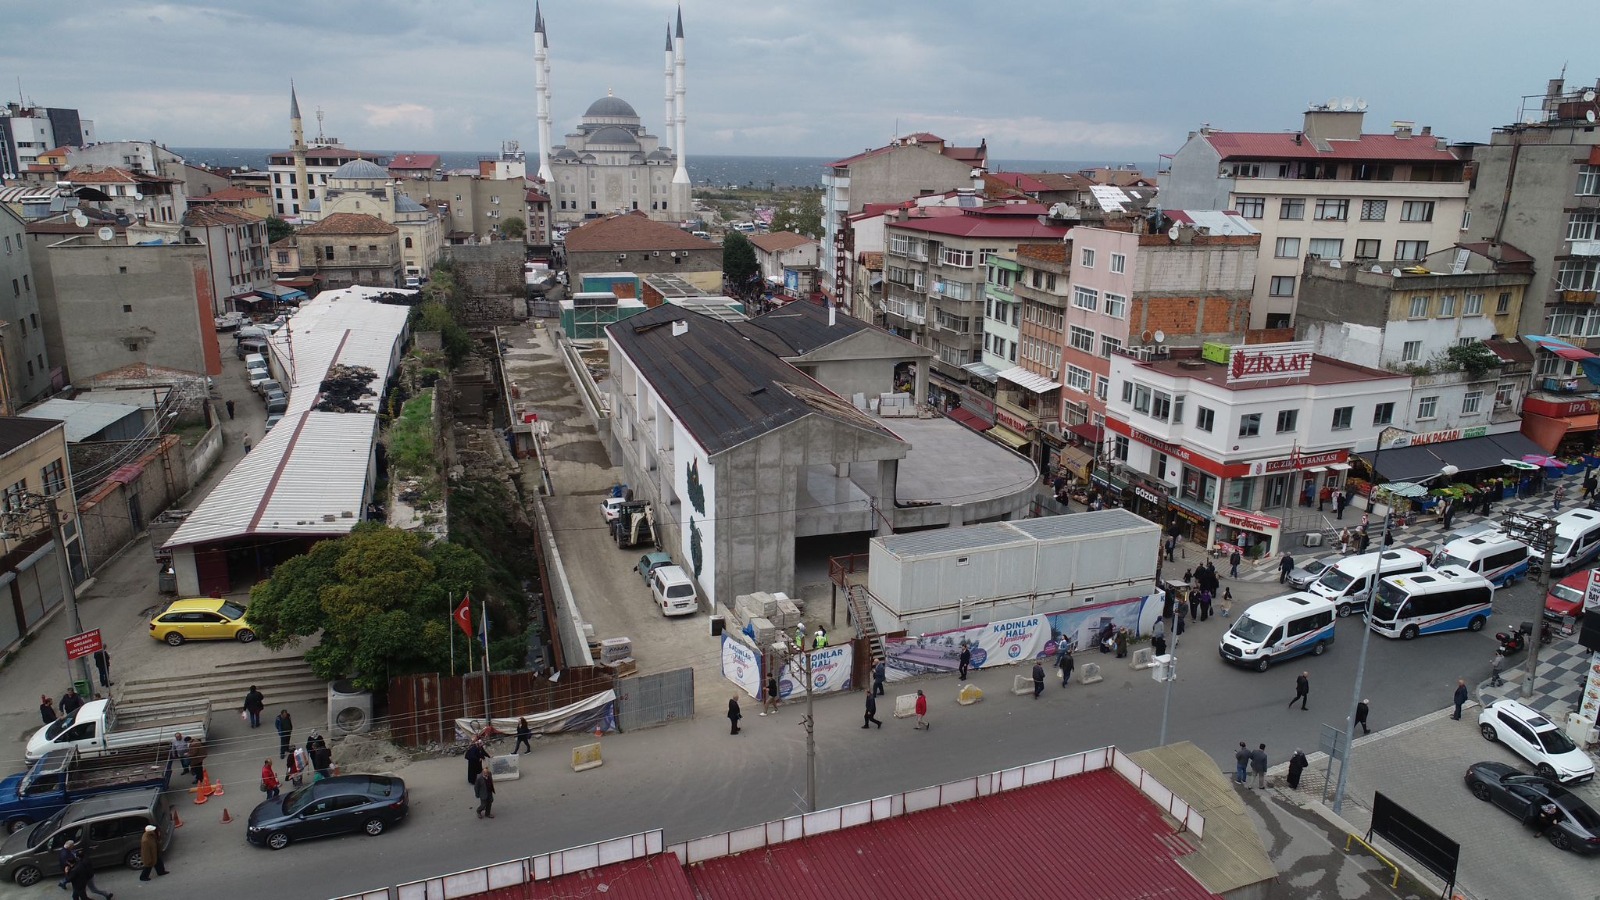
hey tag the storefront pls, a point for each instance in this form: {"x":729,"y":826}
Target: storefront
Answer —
{"x":1306,"y":475}
{"x":1254,"y":535}
{"x":1561,"y":425}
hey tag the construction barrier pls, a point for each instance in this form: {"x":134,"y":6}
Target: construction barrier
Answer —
{"x":1143,"y":658}
{"x":586,"y":757}
{"x":905,"y":706}
{"x":1091,"y":673}
{"x":969,"y":694}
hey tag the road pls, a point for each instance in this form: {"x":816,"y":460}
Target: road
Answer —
{"x":693,"y":778}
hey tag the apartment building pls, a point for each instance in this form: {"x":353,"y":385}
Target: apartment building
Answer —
{"x":1326,"y":190}
{"x":236,"y":250}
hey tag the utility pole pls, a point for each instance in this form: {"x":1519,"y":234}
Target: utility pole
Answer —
{"x":1169,"y":674}
{"x":1539,"y":533}
{"x":796,"y":660}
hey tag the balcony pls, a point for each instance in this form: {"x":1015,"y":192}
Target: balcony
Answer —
{"x":1578,"y":298}
{"x":1584,"y":248}
{"x":1056,"y":301}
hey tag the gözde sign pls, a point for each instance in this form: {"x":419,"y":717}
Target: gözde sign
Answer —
{"x":1262,"y":362}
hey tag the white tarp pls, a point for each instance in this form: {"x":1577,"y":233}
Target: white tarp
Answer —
{"x":584,"y":715}
{"x":740,"y":664}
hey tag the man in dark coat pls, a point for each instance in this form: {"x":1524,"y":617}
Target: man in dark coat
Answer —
{"x":1460,"y":698}
{"x":483,"y":789}
{"x":1365,"y":542}
{"x":474,"y":756}
{"x":1297,"y":764}
{"x":1302,"y":689}
{"x":1064,"y":662}
{"x":1361,"y":717}
{"x":1241,"y":764}
{"x":82,"y":878}
{"x":70,"y":701}
{"x":879,"y":672}
{"x":1285,"y":566}
{"x":102,"y":663}
{"x":47,"y":709}
{"x":734,"y":715}
{"x":871,"y":717}
{"x":1038,"y":679}
{"x":1258,"y":764}
{"x":254,"y":703}
{"x":965,"y":660}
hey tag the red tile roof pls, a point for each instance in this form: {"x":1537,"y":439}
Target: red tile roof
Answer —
{"x":1502,"y":252}
{"x":1019,"y":221}
{"x":230,"y":195}
{"x":350,"y":223}
{"x":631,"y":232}
{"x":659,"y":877}
{"x":1008,"y":844}
{"x":780,"y":240}
{"x":429,"y":161}
{"x":1281,"y":145}
{"x":203,"y":216}
{"x":110,"y":175}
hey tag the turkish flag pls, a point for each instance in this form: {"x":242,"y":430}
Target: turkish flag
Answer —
{"x":463,"y":614}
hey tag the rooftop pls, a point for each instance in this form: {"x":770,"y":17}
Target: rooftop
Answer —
{"x":16,"y":432}
{"x":108,"y":175}
{"x":206,"y":216}
{"x":1186,"y":363}
{"x":1249,"y":145}
{"x":632,"y":232}
{"x":799,"y":328}
{"x":84,"y":419}
{"x":427,"y":161}
{"x":1019,"y":221}
{"x":777,"y":241}
{"x":350,"y":223}
{"x":229,"y":195}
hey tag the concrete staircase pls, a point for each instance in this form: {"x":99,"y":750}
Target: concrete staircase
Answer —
{"x":282,"y":680}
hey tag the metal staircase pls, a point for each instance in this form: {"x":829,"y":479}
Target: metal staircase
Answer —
{"x":861,"y":617}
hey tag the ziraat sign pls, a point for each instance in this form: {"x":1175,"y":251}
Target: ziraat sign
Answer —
{"x":1262,"y":362}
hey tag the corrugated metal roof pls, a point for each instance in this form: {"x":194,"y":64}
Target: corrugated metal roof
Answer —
{"x":951,"y":540}
{"x":1077,"y":524}
{"x":1216,"y":221}
{"x":659,"y":877}
{"x":84,"y":418}
{"x":1282,"y":145}
{"x":1091,"y":835}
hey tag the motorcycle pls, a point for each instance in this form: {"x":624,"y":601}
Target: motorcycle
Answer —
{"x":1510,"y":642}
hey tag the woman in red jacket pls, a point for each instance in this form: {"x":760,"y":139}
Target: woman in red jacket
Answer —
{"x":922,"y":710}
{"x":269,"y":780}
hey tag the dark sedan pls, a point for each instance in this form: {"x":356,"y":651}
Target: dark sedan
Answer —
{"x":338,"y":805}
{"x":1577,"y":826}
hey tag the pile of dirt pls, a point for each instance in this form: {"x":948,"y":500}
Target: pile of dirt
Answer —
{"x":344,"y":387}
{"x":370,"y":753}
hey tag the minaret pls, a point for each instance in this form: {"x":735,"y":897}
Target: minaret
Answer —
{"x":297,"y":129}
{"x":541,"y":78}
{"x":682,"y":175}
{"x":669,"y":125}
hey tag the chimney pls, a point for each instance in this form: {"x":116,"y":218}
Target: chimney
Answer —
{"x":833,"y":314}
{"x":1555,"y":87}
{"x":1426,"y":130}
{"x":1402,"y":129}
{"x":680,"y":327}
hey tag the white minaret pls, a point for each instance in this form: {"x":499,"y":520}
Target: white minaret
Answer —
{"x":682,"y":175}
{"x":669,"y":125}
{"x":541,"y":87}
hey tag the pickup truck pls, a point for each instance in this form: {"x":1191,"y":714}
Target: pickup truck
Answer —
{"x":99,"y":727}
{"x":66,"y":776}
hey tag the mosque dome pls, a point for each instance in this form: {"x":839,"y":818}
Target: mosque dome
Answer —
{"x":612,"y":135}
{"x":361,"y":170}
{"x":611,"y":107}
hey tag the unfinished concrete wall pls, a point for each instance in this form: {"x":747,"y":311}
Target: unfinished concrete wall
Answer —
{"x":488,"y":269}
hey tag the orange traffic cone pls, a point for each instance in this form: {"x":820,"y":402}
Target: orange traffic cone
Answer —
{"x":176,"y":822}
{"x":598,"y":732}
{"x":202,"y":790}
{"x":226,"y":818}
{"x":216,"y":788}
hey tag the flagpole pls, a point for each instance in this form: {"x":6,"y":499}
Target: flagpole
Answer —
{"x":450,"y":612}
{"x":484,"y":626}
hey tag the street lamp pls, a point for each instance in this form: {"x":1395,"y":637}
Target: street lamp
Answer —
{"x":25,"y":507}
{"x":1366,"y":630}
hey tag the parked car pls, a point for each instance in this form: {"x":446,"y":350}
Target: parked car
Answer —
{"x":1565,"y":599}
{"x":107,"y":827}
{"x":206,"y":619}
{"x":673,"y":591}
{"x":232,"y":322}
{"x":611,"y":507}
{"x":245,"y":348}
{"x":1577,"y":826}
{"x":1302,"y":575}
{"x":277,"y":401}
{"x":650,"y":562}
{"x":268,"y":385}
{"x":274,"y":419}
{"x":1535,"y":739}
{"x":337,"y":805}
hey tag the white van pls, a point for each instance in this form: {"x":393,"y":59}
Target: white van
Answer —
{"x":673,"y":592}
{"x":1278,"y":629}
{"x":1350,"y":582}
{"x":1490,"y":554}
{"x":1577,"y":540}
{"x":1446,"y":599}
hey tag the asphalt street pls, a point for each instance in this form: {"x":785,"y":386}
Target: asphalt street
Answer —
{"x":693,"y":778}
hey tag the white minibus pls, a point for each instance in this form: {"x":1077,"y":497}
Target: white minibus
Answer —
{"x":1350,"y":581}
{"x":1446,"y":599}
{"x":1278,"y":629}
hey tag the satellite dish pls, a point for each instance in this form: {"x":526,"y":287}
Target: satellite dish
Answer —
{"x":1333,"y":103}
{"x":1361,"y":104}
{"x":1377,"y":270}
{"x":107,"y":233}
{"x":138,"y":195}
{"x":1173,"y":232}
{"x":1589,"y":115}
{"x":1395,"y":272}
{"x":1588,"y":96}
{"x":79,"y":219}
{"x":1161,"y":336}
{"x":1347,"y":103}
{"x":1146,"y":337}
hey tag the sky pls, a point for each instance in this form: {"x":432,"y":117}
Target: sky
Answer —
{"x":1046,"y":79}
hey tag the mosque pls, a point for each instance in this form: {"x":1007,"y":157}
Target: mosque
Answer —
{"x":610,"y":164}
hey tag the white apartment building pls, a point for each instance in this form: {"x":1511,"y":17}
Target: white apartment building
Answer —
{"x":1326,"y":190}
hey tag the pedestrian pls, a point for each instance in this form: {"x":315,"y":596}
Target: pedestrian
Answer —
{"x":293,"y":767}
{"x":922,"y":711}
{"x":47,"y":709}
{"x":1188,"y":578}
{"x":1038,"y":678}
{"x":1388,"y":537}
{"x":769,"y":700}
{"x":197,"y":759}
{"x":1302,"y":689}
{"x":269,"y":780}
{"x":229,"y":406}
{"x":524,"y":737}
{"x":820,"y":639}
{"x":1339,"y":503}
{"x":965,"y":659}
{"x":1172,"y":546}
{"x":254,"y":703}
{"x":1546,"y":818}
{"x":474,"y":756}
{"x":871,"y":717}
{"x":879,"y":672}
{"x":1588,"y":484}
{"x":82,"y":878}
{"x":1258,"y":763}
{"x":799,"y":635}
{"x":1364,"y":542}
{"x":1241,"y":764}
{"x":483,"y":789}
{"x":1449,"y":514}
{"x":734,"y":715}
{"x":150,"y":853}
{"x":180,"y":752}
{"x":1234,"y":559}
{"x":1205,"y":604}
{"x":70,"y":701}
{"x":1159,"y":645}
{"x":102,"y":663}
{"x":1181,"y":611}
{"x":1556,"y":498}
{"x":285,"y":726}
{"x":67,"y":857}
{"x":247,"y":443}
{"x":1361,"y":717}
{"x":1495,"y":662}
{"x":1297,"y":764}
{"x":1064,"y":662}
{"x":1323,"y":496}
{"x":1285,"y":566}
{"x":1344,"y":541}
{"x":1169,"y":603}
{"x":1461,"y":694}
{"x":1177,"y":629}
{"x":1227,"y":602}
{"x":1122,"y":644}
{"x":1159,"y":630}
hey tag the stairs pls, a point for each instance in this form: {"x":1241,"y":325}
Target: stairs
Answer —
{"x":282,"y":680}
{"x":861,"y":617}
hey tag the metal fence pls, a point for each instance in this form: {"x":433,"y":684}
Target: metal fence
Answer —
{"x":645,"y":700}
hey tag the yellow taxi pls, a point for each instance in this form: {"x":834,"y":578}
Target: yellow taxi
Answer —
{"x":206,"y":619}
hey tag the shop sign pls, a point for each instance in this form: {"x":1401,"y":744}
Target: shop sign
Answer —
{"x":1178,"y":451}
{"x":1560,"y":408}
{"x":1263,"y":362}
{"x":1437,"y":437}
{"x":1147,"y":495}
{"x":977,"y":403}
{"x":1238,"y":518}
{"x":1010,"y":421}
{"x":1297,"y":461}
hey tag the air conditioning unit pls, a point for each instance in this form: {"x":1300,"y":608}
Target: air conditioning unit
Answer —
{"x":1140,"y":353}
{"x":1053,"y":429}
{"x":1502,"y":404}
{"x":1161,"y":349}
{"x":1054,"y":374}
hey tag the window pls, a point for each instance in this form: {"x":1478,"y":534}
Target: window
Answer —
{"x":1342,"y":417}
{"x":1245,"y":170}
{"x":1292,"y":208}
{"x":1327,"y":248}
{"x":1240,"y":492}
{"x":1119,"y":263}
{"x":1141,"y":399}
{"x":1119,"y":448}
{"x":1473,"y":305}
{"x":1282,"y":286}
{"x":1177,"y":408}
{"x":1197,"y":485}
{"x":1085,"y":298}
{"x":1102,"y":387}
{"x":1502,"y":304}
{"x":1081,"y":339}
{"x":1116,"y":306}
{"x":1427,"y":407}
{"x":1578,"y":274}
{"x":1205,"y":419}
{"x":1374,"y":210}
{"x":1588,"y":181}
{"x":1583,"y":225}
{"x":1288,"y":420}
{"x":1078,"y":379}
{"x":900,"y":245}
{"x":959,"y":258}
{"x":1086,"y":259}
{"x":1161,"y":405}
{"x":1416,"y":211}
{"x":1368,"y":249}
{"x":1383,"y":414}
{"x":14,"y":496}
{"x":1287,"y":248}
{"x":1109,"y":345}
{"x":1332,"y":210}
{"x":1470,"y":402}
{"x":53,"y":478}
{"x":1250,"y":425}
{"x":1410,"y":250}
{"x":1419,"y":306}
{"x":1503,"y":394}
{"x":1251,"y":207}
{"x":1447,"y":306}
{"x":1411,"y":351}
{"x":408,"y":242}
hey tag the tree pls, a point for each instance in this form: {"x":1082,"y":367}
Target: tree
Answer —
{"x":1476,"y":358}
{"x":739,"y":264}
{"x":277,"y":229}
{"x":802,"y":215}
{"x":379,"y":598}
{"x":514,"y":227}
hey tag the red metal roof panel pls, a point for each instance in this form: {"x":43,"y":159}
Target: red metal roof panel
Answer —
{"x":1281,"y":145}
{"x":659,"y":877}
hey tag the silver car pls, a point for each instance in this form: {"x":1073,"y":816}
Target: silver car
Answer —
{"x":1302,"y":575}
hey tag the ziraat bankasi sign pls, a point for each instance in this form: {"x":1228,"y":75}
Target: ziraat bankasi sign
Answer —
{"x":1263,"y":362}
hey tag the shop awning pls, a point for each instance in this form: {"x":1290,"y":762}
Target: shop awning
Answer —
{"x":983,"y":370}
{"x":1029,"y":381}
{"x":970,"y":419}
{"x":1008,"y":437}
{"x":1186,"y":505}
{"x":1546,"y":432}
{"x":1515,"y":445}
{"x":1339,"y":467}
{"x":1088,"y":432}
{"x":1469,"y":454}
{"x":1404,"y":463}
{"x":1076,"y":460}
{"x":1315,"y":469}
